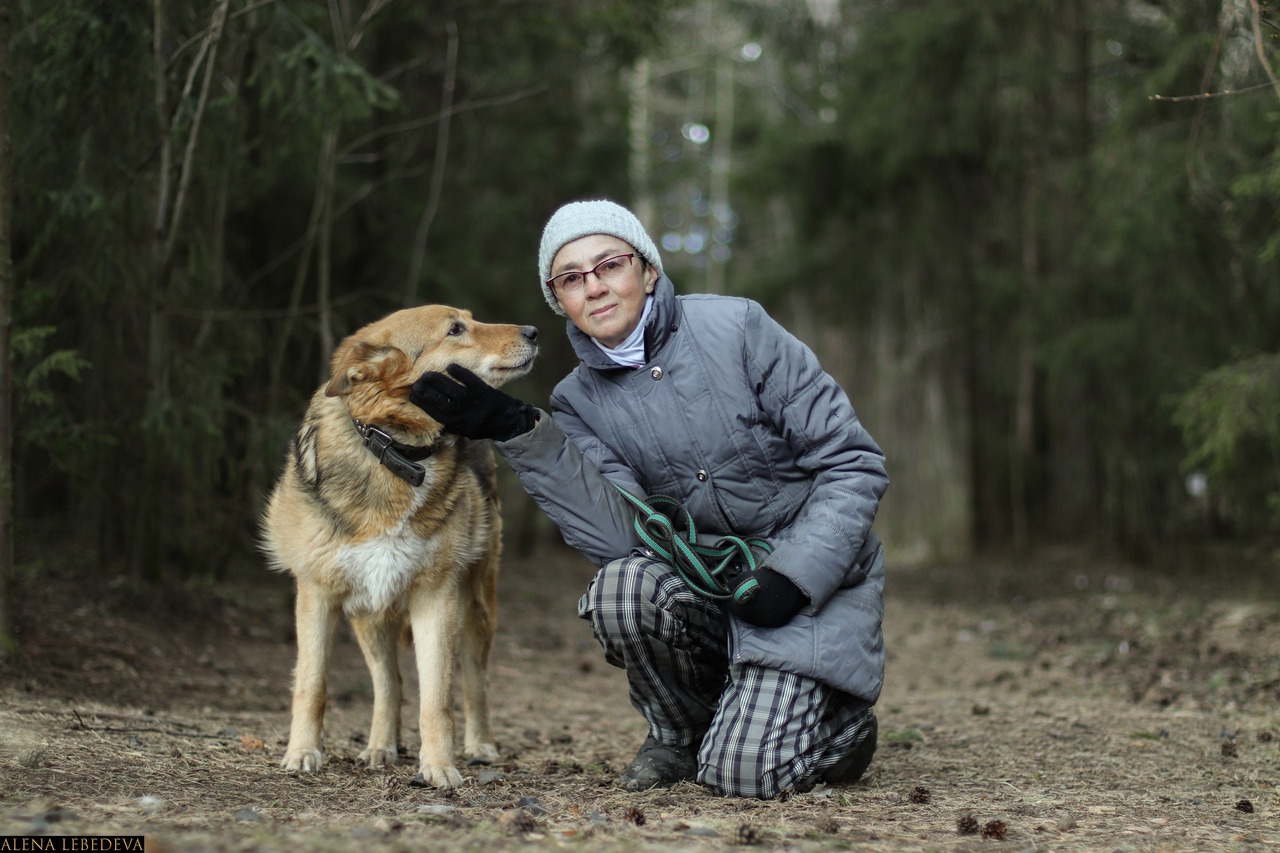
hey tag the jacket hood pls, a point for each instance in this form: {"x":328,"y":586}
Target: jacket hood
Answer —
{"x":664,"y":320}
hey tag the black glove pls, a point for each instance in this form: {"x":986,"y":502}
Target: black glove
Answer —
{"x":774,"y":603}
{"x":468,"y":407}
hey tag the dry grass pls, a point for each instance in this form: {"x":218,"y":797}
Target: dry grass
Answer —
{"x":1123,"y":713}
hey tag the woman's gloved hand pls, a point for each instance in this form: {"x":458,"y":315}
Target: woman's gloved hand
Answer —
{"x":465,"y":405}
{"x":775,"y":602}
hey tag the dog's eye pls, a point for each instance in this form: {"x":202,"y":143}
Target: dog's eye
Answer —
{"x":456,"y":329}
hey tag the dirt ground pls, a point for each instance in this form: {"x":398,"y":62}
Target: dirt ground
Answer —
{"x":1066,"y":702}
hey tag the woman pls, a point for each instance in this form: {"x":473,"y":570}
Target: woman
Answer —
{"x":765,"y":682}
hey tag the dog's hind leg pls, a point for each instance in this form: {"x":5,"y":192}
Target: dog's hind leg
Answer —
{"x":479,"y":623}
{"x":434,"y":618}
{"x":316,"y":619}
{"x":378,"y":637}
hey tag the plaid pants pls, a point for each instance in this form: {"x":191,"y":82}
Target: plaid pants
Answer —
{"x":760,"y":732}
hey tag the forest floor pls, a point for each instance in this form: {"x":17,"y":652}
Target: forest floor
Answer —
{"x":1065,"y":703}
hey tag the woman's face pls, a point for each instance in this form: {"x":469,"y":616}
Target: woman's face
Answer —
{"x":607,"y":311}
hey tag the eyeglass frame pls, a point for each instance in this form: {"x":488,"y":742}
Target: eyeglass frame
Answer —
{"x":551,"y":282}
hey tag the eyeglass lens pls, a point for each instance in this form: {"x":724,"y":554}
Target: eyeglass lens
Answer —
{"x":570,"y":283}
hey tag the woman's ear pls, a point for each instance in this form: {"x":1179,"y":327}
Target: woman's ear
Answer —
{"x":650,"y":277}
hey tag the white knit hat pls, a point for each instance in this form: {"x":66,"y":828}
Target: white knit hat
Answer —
{"x":582,"y":218}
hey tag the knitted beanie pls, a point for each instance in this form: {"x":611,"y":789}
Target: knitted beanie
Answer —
{"x":583,"y":218}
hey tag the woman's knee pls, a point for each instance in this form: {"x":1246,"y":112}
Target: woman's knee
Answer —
{"x":622,"y":598}
{"x":746,"y":779}
{"x":740,"y":764}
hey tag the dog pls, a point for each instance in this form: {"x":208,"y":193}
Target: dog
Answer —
{"x":380,"y":515}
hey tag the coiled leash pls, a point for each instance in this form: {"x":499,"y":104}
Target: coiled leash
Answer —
{"x":704,"y":568}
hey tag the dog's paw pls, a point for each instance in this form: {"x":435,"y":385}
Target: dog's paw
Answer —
{"x":303,"y":760}
{"x":437,"y":776}
{"x":378,"y":757}
{"x":483,"y":753}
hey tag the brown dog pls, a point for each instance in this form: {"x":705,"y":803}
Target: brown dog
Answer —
{"x":380,"y":515}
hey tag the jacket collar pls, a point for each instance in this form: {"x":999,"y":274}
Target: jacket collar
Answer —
{"x":664,"y":320}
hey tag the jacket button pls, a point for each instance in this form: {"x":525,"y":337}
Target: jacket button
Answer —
{"x":656,"y":373}
{"x":702,"y":476}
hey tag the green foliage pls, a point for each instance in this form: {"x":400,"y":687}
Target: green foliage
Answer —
{"x":34,"y":368}
{"x":173,"y":395}
{"x":312,"y":72}
{"x":1230,"y":419}
{"x":1004,"y":166}
{"x":1229,"y":405}
{"x":991,"y":180}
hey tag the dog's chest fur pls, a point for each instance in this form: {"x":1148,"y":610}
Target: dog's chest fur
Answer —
{"x":372,"y":537}
{"x":380,"y":569}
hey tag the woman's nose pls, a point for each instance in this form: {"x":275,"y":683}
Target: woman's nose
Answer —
{"x":593,"y":284}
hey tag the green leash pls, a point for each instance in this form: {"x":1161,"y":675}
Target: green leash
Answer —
{"x":703,"y":567}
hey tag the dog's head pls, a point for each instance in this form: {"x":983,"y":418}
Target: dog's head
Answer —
{"x":374,"y":368}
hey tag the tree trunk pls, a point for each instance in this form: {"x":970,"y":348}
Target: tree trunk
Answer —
{"x":8,"y":589}
{"x":721,"y":165}
{"x":325,"y":165}
{"x":1022,"y":447}
{"x":437,"y":170}
{"x":324,"y":251}
{"x":1072,"y":507}
{"x":641,"y":192}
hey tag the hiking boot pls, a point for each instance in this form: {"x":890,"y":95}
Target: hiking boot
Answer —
{"x":657,"y":765}
{"x":854,"y":763}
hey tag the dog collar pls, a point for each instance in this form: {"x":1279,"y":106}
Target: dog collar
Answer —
{"x":400,"y":459}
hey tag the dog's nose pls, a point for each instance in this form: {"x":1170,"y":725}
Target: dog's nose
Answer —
{"x":530,"y":334}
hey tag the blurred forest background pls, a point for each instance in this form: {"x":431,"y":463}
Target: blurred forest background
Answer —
{"x":1036,"y":240}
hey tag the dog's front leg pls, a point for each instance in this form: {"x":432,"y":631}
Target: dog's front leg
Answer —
{"x":479,"y":623}
{"x":316,"y":618}
{"x":434,"y":617}
{"x":377,"y":636}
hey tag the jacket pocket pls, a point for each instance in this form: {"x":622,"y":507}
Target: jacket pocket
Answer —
{"x":851,"y":639}
{"x":865,"y":562}
{"x":790,"y":648}
{"x":841,"y":646}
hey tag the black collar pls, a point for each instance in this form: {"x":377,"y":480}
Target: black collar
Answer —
{"x":400,"y":459}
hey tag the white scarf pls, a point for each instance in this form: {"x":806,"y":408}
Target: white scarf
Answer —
{"x":630,"y":353}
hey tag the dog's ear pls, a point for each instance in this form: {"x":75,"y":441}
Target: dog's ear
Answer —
{"x":363,"y":361}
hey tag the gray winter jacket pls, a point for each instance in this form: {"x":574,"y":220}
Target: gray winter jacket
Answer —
{"x":733,"y":416}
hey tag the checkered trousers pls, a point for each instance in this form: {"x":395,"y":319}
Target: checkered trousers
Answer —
{"x":762,"y":731}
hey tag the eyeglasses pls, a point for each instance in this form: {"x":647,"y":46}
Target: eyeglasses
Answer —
{"x":607,"y":271}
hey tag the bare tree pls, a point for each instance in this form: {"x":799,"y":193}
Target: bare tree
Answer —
{"x":171,"y":203}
